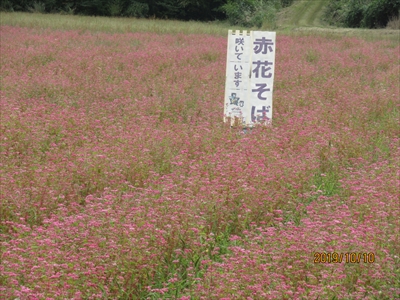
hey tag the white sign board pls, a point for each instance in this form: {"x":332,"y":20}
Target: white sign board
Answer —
{"x":250,"y":69}
{"x":237,"y":75}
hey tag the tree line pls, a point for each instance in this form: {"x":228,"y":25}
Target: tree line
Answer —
{"x":247,"y":13}
{"x":362,"y":13}
{"x":237,"y":12}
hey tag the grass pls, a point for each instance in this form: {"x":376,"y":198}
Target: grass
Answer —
{"x":111,"y":25}
{"x":289,"y":21}
{"x":302,"y":13}
{"x":394,"y":23}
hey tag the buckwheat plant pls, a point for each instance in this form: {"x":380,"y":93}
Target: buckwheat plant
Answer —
{"x":119,"y":179}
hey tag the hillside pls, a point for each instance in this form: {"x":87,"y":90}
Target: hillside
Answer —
{"x":303,"y":13}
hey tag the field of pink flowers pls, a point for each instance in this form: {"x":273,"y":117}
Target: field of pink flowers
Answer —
{"x":119,"y":179}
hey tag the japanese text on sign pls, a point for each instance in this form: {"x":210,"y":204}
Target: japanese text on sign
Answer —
{"x":250,"y":76}
{"x":237,"y":75}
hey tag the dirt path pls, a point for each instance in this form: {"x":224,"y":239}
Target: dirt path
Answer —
{"x":303,"y":13}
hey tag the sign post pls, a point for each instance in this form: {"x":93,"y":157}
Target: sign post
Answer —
{"x":249,"y":82}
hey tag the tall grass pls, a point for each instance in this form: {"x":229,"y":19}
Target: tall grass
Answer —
{"x":218,"y":28}
{"x":111,"y":25}
{"x":394,"y":23}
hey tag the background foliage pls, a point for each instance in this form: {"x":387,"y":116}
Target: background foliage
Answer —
{"x":248,"y":13}
{"x":245,"y":13}
{"x":252,"y":12}
{"x":176,"y":9}
{"x":362,"y":13}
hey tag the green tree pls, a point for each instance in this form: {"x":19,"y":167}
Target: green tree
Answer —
{"x":239,"y":12}
{"x":361,"y":13}
{"x":378,"y":12}
{"x":251,"y":13}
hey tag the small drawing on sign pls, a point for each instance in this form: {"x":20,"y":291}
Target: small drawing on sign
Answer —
{"x":235,"y":100}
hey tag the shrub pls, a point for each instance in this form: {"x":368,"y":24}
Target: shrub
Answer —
{"x":286,"y":3}
{"x":361,"y":13}
{"x":378,"y":12}
{"x":6,"y":5}
{"x":37,"y":7}
{"x":394,"y":23}
{"x":137,"y":9}
{"x":251,"y":13}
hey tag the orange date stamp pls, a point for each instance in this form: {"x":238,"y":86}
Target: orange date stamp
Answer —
{"x":348,"y":258}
